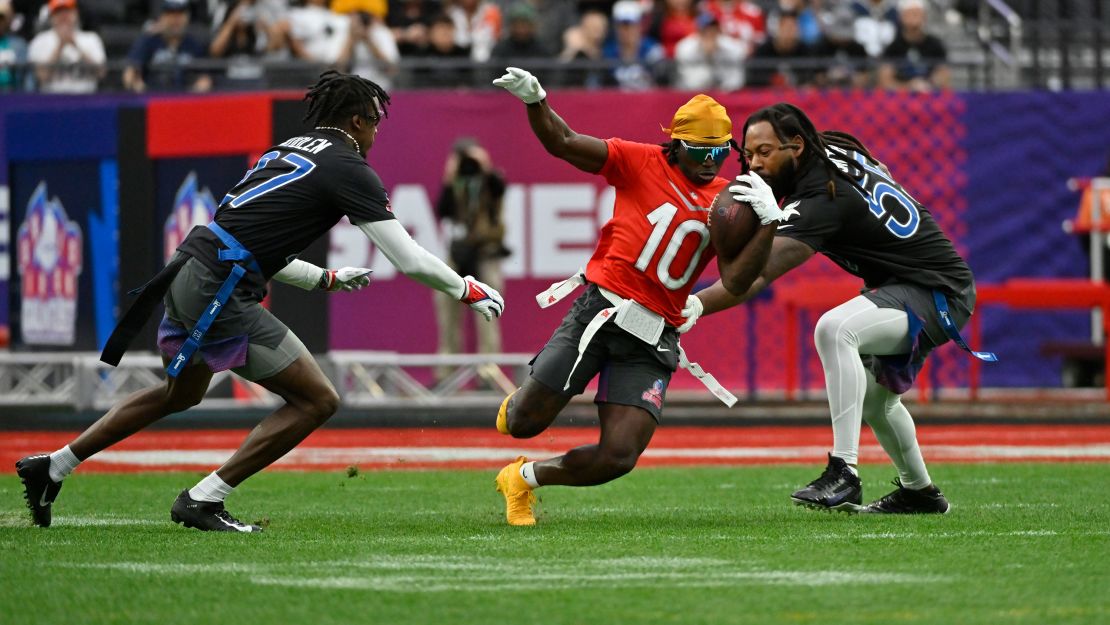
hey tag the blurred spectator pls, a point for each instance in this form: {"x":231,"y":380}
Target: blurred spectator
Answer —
{"x":875,"y":25}
{"x":555,"y":17}
{"x":638,"y":58}
{"x":782,"y":61}
{"x":584,"y":44}
{"x":271,"y":11}
{"x":66,"y":59}
{"x":915,"y":60}
{"x":846,"y":63}
{"x":372,"y":50}
{"x":409,"y":19}
{"x":470,"y":206}
{"x":739,"y":19}
{"x":477,"y":26}
{"x":675,"y":22}
{"x":13,"y":52}
{"x":377,"y":8}
{"x":442,"y":59}
{"x":160,"y":58}
{"x":522,"y":41}
{"x":709,"y":59}
{"x":317,"y":34}
{"x":809,"y":26}
{"x":245,"y":34}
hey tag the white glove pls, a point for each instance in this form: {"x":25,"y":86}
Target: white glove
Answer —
{"x":522,"y":84}
{"x":482,"y":298}
{"x":691,"y":312}
{"x":345,"y":279}
{"x":757,"y":193}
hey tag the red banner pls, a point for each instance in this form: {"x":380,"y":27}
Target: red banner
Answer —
{"x":553,"y":211}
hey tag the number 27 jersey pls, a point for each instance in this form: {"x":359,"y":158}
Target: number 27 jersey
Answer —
{"x":657,"y":243}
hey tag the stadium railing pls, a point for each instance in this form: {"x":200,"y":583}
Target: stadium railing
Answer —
{"x":1023,"y":293}
{"x":364,"y":379}
{"x":974,"y":69}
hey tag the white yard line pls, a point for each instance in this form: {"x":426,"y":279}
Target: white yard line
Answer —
{"x":310,"y":456}
{"x":427,"y":574}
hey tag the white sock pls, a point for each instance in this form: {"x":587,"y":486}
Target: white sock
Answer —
{"x":211,"y":488}
{"x":528,"y":472}
{"x":62,"y":463}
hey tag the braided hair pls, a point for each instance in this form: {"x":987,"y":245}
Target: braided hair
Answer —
{"x":337,"y":97}
{"x":788,"y":121}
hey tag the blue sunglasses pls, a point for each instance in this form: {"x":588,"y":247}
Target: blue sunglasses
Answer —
{"x":700,"y":153}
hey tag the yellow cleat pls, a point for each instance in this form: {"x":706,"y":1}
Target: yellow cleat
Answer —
{"x":503,"y":415}
{"x":518,"y":494}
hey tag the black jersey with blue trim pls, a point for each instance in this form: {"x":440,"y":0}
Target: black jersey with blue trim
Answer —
{"x":298,"y":190}
{"x":878,"y":232}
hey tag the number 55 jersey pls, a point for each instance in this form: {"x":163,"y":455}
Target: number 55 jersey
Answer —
{"x":876,"y":231}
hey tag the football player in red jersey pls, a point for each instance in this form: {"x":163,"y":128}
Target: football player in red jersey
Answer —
{"x":625,"y":326}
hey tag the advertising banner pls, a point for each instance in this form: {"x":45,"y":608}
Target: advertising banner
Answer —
{"x":553,"y":212}
{"x":64,"y":261}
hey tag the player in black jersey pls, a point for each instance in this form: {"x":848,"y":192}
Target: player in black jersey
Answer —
{"x":213,"y":287}
{"x":845,"y":204}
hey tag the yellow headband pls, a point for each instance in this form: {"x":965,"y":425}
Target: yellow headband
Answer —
{"x":701,"y":120}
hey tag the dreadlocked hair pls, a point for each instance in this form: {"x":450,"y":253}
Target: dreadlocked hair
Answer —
{"x":670,"y":150}
{"x":337,"y":97}
{"x":789,"y":121}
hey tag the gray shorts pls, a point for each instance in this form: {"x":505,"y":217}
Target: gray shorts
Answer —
{"x":898,"y":372}
{"x":245,"y":337}
{"x":632,"y":373}
{"x":918,"y":299}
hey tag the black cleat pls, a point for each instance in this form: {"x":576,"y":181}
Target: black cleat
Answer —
{"x":904,"y":500}
{"x":837,"y":489}
{"x":38,"y":489}
{"x":206,"y":516}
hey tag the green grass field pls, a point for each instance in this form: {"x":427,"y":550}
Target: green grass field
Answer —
{"x":1023,"y":544}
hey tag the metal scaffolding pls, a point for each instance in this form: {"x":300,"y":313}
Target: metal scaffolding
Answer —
{"x":363,"y":379}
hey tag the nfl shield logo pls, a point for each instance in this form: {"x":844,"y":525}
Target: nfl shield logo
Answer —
{"x":50,"y":255}
{"x":192,"y":206}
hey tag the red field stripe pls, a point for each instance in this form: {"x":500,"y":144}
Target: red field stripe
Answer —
{"x":484,"y":448}
{"x":677,"y":436}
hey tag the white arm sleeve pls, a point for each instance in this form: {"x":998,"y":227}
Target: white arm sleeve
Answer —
{"x":412,"y":260}
{"x":300,"y":274}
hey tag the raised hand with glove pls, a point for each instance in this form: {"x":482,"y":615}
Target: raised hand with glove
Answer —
{"x":482,"y":298}
{"x":522,"y":84}
{"x":751,"y":188}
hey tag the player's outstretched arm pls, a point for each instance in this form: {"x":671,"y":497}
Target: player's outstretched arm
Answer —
{"x":583,"y":151}
{"x":739,"y":272}
{"x":305,"y":275}
{"x":786,"y":254}
{"x":414,"y":261}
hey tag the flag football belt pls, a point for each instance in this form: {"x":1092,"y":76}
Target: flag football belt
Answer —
{"x":953,"y":332}
{"x":234,"y":253}
{"x":151,"y":294}
{"x":635,"y":319}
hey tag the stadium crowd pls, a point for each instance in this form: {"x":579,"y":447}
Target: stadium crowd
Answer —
{"x":82,"y":46}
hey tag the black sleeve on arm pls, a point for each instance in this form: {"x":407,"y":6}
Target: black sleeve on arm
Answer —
{"x":818,"y":220}
{"x":360,"y":195}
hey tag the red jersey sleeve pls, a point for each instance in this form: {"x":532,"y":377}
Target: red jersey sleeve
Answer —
{"x":627,"y":159}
